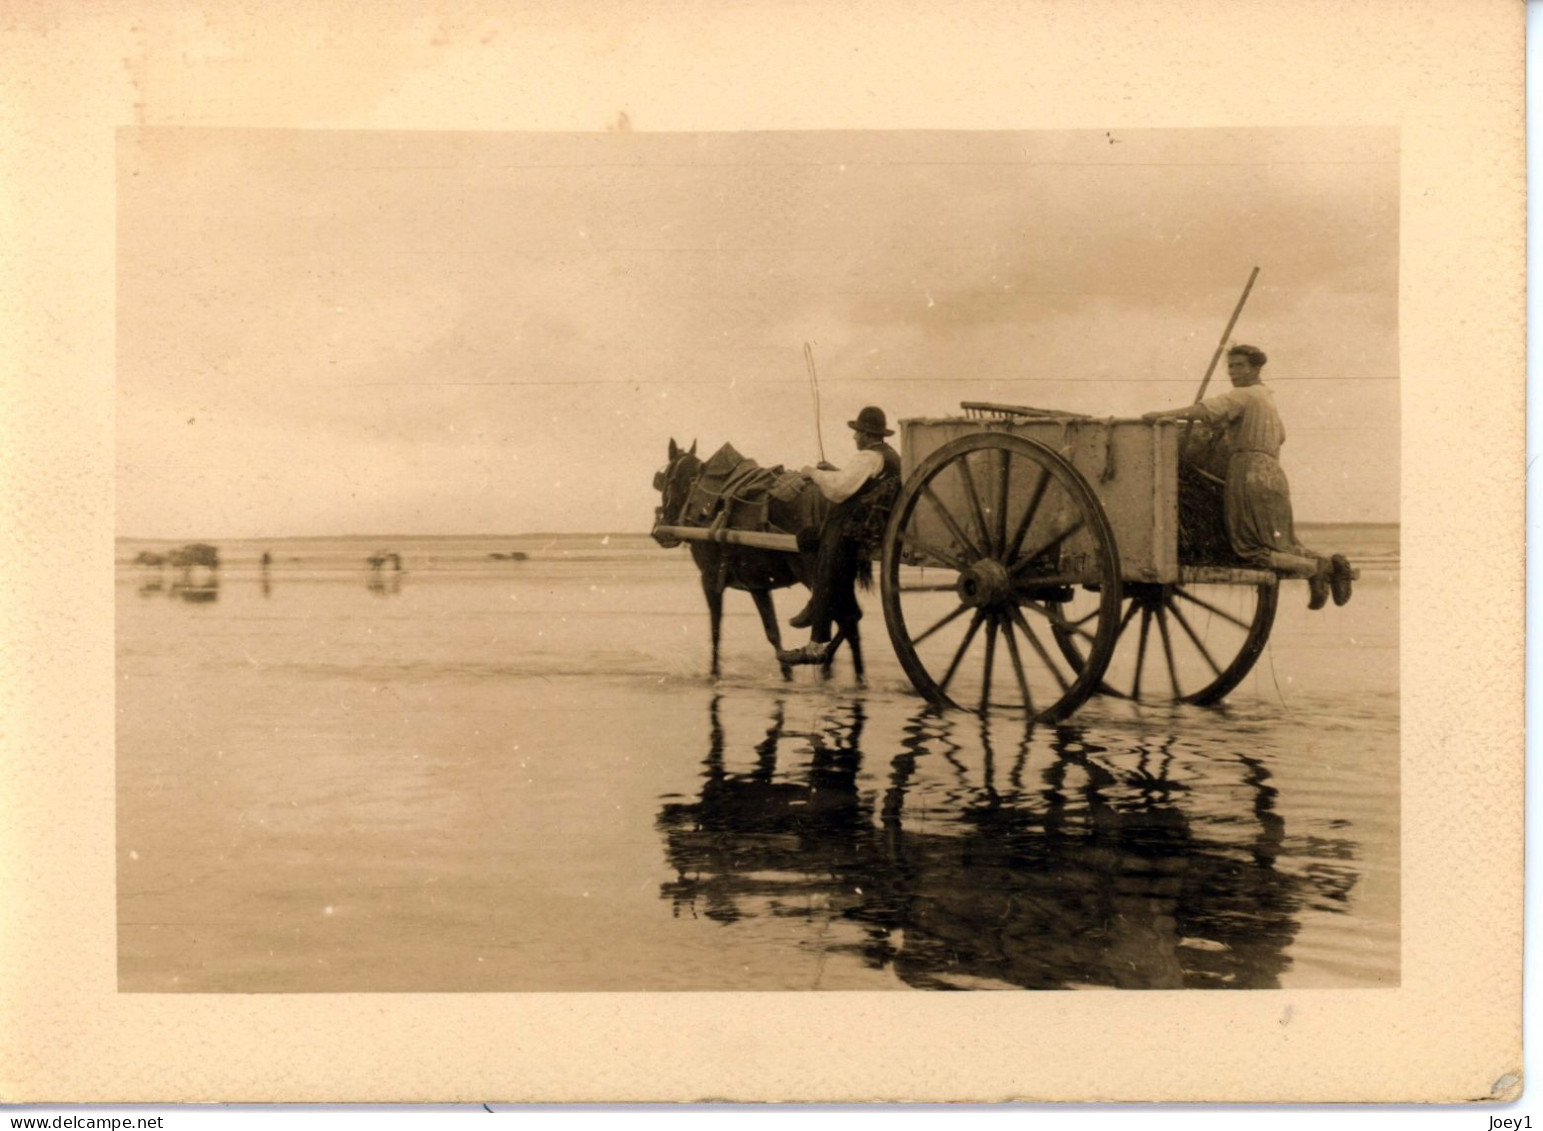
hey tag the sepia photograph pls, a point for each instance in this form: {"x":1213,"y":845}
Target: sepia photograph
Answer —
{"x":787,"y":561}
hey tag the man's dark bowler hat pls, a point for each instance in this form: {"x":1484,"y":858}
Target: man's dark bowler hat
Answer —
{"x":871,"y":419}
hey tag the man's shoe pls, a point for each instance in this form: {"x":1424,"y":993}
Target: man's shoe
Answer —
{"x":811,"y":653}
{"x":803,"y":618}
{"x":1318,"y":589}
{"x":1340,"y":577}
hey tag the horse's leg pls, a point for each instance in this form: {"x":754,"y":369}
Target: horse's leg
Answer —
{"x":855,"y":643}
{"x":830,"y":652}
{"x":714,"y":593}
{"x":768,"y":610}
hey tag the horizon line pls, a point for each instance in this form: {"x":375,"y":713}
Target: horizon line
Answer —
{"x":523,"y":534}
{"x":397,"y":534}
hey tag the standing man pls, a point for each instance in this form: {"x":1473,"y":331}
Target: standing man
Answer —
{"x":863,"y":493}
{"x":1256,"y":499}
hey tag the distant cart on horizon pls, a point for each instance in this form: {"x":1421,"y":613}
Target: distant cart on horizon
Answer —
{"x":1035,"y":558}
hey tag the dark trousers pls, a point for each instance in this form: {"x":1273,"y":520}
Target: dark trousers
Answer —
{"x":835,"y":584}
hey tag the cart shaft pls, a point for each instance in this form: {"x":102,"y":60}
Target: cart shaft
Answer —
{"x":756,"y":539}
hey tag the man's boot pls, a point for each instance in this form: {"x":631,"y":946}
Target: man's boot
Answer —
{"x":1318,"y":588}
{"x":1340,"y":578}
{"x":804,"y":617}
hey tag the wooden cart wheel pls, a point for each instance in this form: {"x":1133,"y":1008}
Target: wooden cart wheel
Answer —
{"x":1204,"y":637}
{"x":987,"y":539}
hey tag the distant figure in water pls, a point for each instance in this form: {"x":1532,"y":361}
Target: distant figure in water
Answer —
{"x":1256,"y":499}
{"x":378,"y":582}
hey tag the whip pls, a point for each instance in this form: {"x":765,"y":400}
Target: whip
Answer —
{"x":814,"y":386}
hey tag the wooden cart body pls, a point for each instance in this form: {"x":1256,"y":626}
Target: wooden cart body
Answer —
{"x":1132,"y":465}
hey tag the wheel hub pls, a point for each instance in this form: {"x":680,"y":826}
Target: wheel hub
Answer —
{"x":986,"y":584}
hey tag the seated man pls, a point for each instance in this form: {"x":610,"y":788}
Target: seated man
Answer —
{"x":862,"y":493}
{"x":1256,"y":500}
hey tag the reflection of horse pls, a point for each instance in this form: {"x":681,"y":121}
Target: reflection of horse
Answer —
{"x":152,"y":576}
{"x":734,"y":844}
{"x":755,"y":571}
{"x":200,"y":593}
{"x":1094,"y":875}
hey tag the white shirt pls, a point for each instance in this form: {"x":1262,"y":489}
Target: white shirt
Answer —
{"x":843,"y":483}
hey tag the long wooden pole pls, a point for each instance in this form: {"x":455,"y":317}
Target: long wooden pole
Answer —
{"x":755,"y":538}
{"x":1227,"y":333}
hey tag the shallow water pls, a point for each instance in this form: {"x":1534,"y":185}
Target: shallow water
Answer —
{"x":487,"y":774}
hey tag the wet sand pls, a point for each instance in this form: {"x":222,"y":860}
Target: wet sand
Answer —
{"x":494,"y":774}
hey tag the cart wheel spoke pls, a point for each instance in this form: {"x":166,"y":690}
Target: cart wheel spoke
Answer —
{"x":977,"y":512}
{"x":916,"y":546}
{"x":1210,"y":608}
{"x":1141,"y":652}
{"x":1004,"y":477}
{"x":1012,"y":651}
{"x":949,"y":521}
{"x":1173,"y":671}
{"x":1029,"y":511}
{"x":991,"y":649}
{"x":1194,"y":639}
{"x":1057,"y":619}
{"x":969,"y":636}
{"x":1044,"y":655}
{"x":1054,"y":543}
{"x":1130,"y":611}
{"x":948,"y":618}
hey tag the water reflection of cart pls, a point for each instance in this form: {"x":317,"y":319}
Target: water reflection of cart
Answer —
{"x":1035,"y":558}
{"x":1053,"y":864}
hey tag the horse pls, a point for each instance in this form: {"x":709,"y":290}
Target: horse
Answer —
{"x":725,"y":566}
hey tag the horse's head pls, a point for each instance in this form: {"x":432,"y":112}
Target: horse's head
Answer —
{"x":673,"y":482}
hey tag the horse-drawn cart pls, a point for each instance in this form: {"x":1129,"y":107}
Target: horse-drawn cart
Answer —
{"x":1033,"y":559}
{"x":1059,"y":538}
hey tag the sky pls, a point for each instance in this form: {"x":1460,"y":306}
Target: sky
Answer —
{"x":336,"y":332}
